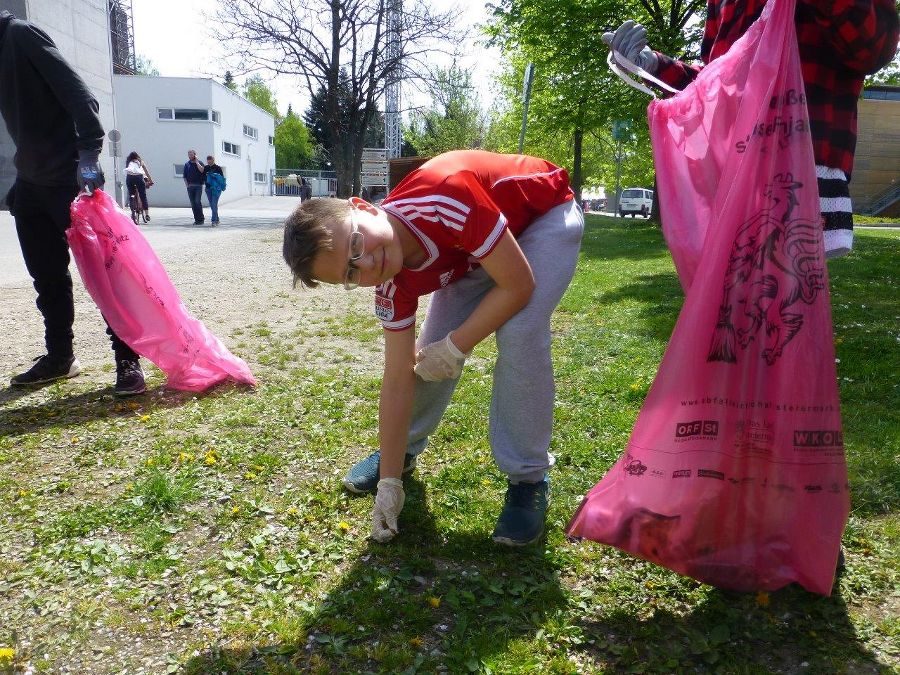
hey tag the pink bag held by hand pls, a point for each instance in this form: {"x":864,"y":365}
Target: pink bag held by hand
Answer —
{"x":735,"y":472}
{"x":133,"y":292}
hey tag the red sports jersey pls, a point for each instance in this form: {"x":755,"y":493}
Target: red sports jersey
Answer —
{"x":458,"y":205}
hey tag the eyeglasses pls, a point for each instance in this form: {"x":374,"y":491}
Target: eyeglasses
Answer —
{"x":356,"y":247}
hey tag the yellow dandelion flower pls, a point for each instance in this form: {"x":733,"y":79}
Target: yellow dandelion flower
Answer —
{"x":344,"y":526}
{"x":210,"y":460}
{"x":434,"y":602}
{"x":635,"y":386}
{"x":74,"y":439}
{"x":235,"y":510}
{"x":258,"y":468}
{"x":182,"y":457}
{"x":292,"y":511}
{"x":762,"y":599}
{"x":129,"y":487}
{"x":249,"y":475}
{"x":145,"y":418}
{"x":838,"y":341}
{"x":416,"y":642}
{"x":150,"y":462}
{"x":7,"y":653}
{"x":23,"y":493}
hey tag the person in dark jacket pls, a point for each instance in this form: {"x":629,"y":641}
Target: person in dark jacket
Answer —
{"x":52,"y":118}
{"x":194,"y":181}
{"x":215,"y":186}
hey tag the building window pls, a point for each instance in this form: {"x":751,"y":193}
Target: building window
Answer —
{"x":250,"y":132}
{"x":231,"y":149}
{"x":272,"y":141}
{"x":259,"y":177}
{"x":179,"y":170}
{"x":216,"y":117}
{"x":184,"y":114}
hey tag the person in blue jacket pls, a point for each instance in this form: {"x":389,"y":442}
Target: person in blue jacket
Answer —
{"x":215,"y":186}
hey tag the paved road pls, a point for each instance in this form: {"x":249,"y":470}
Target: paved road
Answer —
{"x":168,"y":229}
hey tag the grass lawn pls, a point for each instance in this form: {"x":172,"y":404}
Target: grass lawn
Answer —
{"x":206,"y":534}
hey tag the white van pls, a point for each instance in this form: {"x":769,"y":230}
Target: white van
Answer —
{"x":636,"y":201}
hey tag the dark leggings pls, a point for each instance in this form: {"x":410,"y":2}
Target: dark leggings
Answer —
{"x":137,"y":183}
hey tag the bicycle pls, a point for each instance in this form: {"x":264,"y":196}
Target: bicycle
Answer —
{"x":137,"y":206}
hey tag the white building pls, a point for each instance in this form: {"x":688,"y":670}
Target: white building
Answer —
{"x":161,"y":118}
{"x":80,"y":29}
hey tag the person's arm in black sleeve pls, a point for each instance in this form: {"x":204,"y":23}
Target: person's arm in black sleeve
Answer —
{"x":71,"y":91}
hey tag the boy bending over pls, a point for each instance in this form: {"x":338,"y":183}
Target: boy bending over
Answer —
{"x":495,"y":238}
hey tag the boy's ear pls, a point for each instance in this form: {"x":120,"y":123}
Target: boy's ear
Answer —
{"x":363,"y":205}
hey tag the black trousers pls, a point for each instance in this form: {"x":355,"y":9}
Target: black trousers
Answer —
{"x":134,"y":182}
{"x":195,"y":194}
{"x":42,"y":217}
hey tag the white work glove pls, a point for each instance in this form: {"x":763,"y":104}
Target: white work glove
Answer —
{"x":440,"y":361}
{"x":630,"y":40}
{"x":388,"y":504}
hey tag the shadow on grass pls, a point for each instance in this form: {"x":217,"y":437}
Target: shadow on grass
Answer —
{"x":427,"y":601}
{"x":661,"y":298}
{"x":84,"y":407}
{"x":789,"y":631}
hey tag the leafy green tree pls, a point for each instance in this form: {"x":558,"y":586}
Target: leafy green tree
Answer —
{"x":144,"y":66}
{"x":454,"y":120}
{"x":257,"y":92}
{"x":229,"y":81}
{"x":293,"y":146}
{"x":575,"y":96}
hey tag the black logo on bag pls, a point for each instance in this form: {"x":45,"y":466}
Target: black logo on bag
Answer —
{"x":709,"y":473}
{"x":681,"y":473}
{"x":818,"y":439}
{"x":634,"y":467}
{"x":774,"y":263}
{"x":697,"y":429}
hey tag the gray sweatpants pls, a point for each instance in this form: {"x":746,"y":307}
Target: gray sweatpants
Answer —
{"x":521,"y":416}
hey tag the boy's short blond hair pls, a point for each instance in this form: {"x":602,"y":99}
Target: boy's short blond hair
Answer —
{"x":308,"y":232}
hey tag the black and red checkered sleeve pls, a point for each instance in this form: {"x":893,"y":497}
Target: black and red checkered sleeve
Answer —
{"x":861,"y":34}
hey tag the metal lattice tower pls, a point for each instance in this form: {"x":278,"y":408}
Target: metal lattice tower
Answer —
{"x":392,"y":86}
{"x":121,"y":29}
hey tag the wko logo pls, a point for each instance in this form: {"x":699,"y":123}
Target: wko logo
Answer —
{"x":697,"y":429}
{"x":818,"y":439}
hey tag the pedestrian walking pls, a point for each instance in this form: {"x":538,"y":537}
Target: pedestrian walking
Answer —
{"x":137,"y":180}
{"x":194,"y":181}
{"x":215,"y":186}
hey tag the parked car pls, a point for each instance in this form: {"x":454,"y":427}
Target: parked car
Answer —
{"x":636,"y":201}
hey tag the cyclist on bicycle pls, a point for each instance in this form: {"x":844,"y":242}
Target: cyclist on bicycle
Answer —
{"x":137,"y":180}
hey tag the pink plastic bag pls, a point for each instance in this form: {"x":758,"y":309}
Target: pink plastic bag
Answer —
{"x":133,"y":292}
{"x":735,"y":472}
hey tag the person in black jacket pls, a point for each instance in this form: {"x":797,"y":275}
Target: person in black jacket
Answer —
{"x":52,"y":118}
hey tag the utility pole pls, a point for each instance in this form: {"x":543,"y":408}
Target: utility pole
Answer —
{"x":392,"y":140}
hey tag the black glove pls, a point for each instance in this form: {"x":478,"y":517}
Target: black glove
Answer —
{"x":90,"y":175}
{"x":11,"y":199}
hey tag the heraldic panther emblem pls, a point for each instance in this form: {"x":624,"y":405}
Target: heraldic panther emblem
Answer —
{"x":774,"y":263}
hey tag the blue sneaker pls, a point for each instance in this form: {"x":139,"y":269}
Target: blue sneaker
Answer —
{"x":363,"y":476}
{"x":521,"y":521}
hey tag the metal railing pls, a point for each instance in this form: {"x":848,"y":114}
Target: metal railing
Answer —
{"x":290,"y":182}
{"x":883,"y":200}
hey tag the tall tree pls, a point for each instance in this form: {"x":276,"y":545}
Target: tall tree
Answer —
{"x":229,"y":81}
{"x":574,"y":92}
{"x":144,"y":66}
{"x":257,"y":92}
{"x":316,"y":39}
{"x":293,"y":146}
{"x":453,"y":121}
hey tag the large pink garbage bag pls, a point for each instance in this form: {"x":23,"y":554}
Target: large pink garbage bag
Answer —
{"x":735,"y":471}
{"x":130,"y":286}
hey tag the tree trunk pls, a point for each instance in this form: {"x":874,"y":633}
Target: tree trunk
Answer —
{"x":576,"y":163}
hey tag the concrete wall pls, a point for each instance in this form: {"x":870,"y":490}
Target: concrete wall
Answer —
{"x":80,"y":30}
{"x":163,"y":144}
{"x":877,"y":164}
